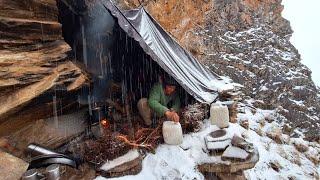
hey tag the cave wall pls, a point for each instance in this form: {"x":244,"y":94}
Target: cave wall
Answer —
{"x":34,"y":57}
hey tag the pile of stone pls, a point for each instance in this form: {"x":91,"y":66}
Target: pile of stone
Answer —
{"x":228,"y":146}
{"x":235,"y":152}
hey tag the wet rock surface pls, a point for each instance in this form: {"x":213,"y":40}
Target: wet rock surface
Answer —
{"x":34,"y":57}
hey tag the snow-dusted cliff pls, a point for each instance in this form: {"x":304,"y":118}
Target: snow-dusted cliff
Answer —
{"x":248,"y":41}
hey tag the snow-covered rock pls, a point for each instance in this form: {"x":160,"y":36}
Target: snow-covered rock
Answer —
{"x":277,"y":161}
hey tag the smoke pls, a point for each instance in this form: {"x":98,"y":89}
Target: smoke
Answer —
{"x":97,"y":39}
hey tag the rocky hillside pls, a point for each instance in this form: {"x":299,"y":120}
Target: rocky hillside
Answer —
{"x":247,"y":40}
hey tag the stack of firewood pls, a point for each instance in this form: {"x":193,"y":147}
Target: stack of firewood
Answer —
{"x":106,"y":148}
{"x":192,"y":117}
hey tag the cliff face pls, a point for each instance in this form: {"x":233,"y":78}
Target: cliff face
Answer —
{"x":247,"y":40}
{"x":33,"y":54}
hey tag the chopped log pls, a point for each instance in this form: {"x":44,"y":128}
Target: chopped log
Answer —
{"x":230,"y":98}
{"x":219,"y":135}
{"x":229,"y":95}
{"x":11,"y":167}
{"x":128,"y":164}
{"x":217,"y":141}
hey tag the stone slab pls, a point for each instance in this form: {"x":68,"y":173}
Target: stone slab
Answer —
{"x":230,"y":166}
{"x":11,"y":167}
{"x":235,"y":153}
{"x":218,"y":145}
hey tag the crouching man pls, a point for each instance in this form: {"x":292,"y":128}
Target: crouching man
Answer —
{"x":163,"y":101}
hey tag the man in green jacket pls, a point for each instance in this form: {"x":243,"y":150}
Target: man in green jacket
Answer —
{"x":163,"y":101}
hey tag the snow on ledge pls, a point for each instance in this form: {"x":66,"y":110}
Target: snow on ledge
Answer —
{"x":130,"y":156}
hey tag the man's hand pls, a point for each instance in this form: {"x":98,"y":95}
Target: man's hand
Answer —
{"x":176,"y":117}
{"x":173,"y":116}
{"x":169,"y":115}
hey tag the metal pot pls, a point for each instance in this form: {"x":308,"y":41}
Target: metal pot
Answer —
{"x":98,"y":114}
{"x":35,"y":150}
{"x":53,"y":172}
{"x":31,"y":174}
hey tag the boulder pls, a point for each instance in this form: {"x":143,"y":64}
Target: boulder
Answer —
{"x":235,"y":154}
{"x":11,"y":167}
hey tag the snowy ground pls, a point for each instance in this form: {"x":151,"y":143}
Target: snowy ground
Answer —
{"x":180,"y":162}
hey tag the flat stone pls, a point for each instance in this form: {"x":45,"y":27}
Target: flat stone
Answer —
{"x":11,"y":167}
{"x":230,"y":166}
{"x":235,"y":153}
{"x":218,"y":145}
{"x":242,"y":143}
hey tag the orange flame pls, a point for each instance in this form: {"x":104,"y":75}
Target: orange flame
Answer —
{"x":105,"y":123}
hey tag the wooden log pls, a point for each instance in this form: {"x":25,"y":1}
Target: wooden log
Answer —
{"x":128,"y":164}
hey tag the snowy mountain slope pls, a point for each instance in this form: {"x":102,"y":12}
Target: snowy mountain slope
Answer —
{"x":277,"y":161}
{"x":268,"y":66}
{"x":248,"y":41}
